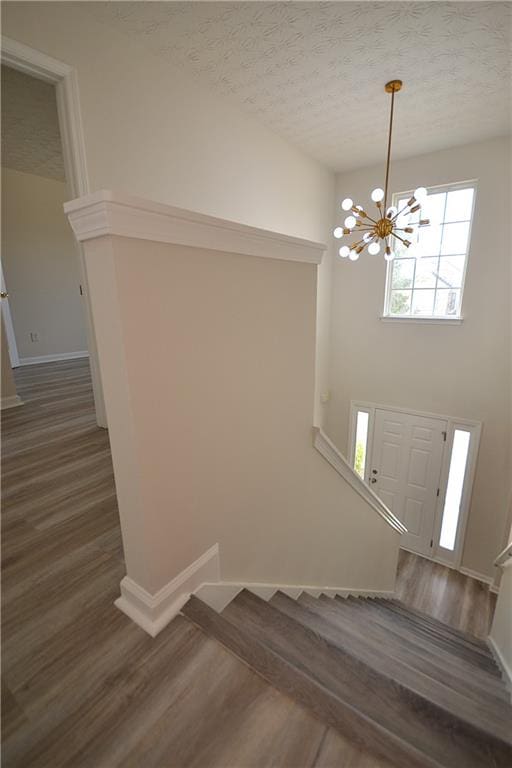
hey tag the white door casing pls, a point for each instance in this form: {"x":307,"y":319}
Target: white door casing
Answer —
{"x":9,"y":328}
{"x":405,"y":469}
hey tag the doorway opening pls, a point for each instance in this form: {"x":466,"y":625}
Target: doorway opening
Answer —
{"x":45,"y":305}
{"x":422,"y":466}
{"x":42,"y":304}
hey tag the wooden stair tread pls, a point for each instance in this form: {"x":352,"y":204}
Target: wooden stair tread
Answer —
{"x":414,"y":629}
{"x":348,"y":694}
{"x":413,"y":613}
{"x":440,"y":663}
{"x":375,"y":649}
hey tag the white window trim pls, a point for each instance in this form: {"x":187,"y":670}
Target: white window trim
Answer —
{"x":439,"y":554}
{"x":455,"y":319}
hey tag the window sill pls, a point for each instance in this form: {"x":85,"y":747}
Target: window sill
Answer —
{"x":423,"y":320}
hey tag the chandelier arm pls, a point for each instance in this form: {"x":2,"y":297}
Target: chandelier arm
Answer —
{"x":389,"y":150}
{"x":399,"y":238}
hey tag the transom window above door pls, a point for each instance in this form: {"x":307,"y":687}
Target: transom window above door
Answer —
{"x":426,"y":280}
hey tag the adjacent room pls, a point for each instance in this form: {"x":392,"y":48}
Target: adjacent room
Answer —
{"x":43,"y":312}
{"x":256,"y":384}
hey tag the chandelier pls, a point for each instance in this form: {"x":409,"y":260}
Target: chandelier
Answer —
{"x":386,"y":227}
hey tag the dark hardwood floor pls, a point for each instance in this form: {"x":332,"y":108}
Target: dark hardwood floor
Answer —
{"x":84,"y":686}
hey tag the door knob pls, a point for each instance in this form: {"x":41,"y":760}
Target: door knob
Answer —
{"x":4,"y":294}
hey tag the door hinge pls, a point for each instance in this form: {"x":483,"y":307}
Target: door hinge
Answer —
{"x":444,"y":436}
{"x":431,"y":543}
{"x":437,"y":494}
{"x":81,"y":292}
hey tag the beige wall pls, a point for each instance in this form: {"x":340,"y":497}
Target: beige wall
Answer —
{"x":40,"y":263}
{"x":461,"y":371}
{"x":209,"y":391}
{"x":7,"y":382}
{"x":152,"y":130}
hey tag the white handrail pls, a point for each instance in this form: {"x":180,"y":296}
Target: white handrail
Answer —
{"x":503,"y":556}
{"x":341,"y":465}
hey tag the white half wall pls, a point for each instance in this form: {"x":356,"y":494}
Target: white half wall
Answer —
{"x":463,"y":370}
{"x":209,"y":378}
{"x":41,"y":268}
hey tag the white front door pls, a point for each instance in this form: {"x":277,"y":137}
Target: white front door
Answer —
{"x":405,"y":472}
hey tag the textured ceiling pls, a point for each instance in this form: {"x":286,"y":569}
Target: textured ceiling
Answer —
{"x":314,"y":71}
{"x":30,"y":126}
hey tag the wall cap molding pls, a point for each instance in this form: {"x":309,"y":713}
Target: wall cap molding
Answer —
{"x":112,"y":213}
{"x":329,"y":451}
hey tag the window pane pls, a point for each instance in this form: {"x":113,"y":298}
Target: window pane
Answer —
{"x":400,"y":302}
{"x":429,"y":241}
{"x":423,"y":302}
{"x":426,"y":273}
{"x":433,"y":208}
{"x":454,"y":489}
{"x":459,"y":204}
{"x":403,"y":272}
{"x":447,"y":303}
{"x":439,"y":251}
{"x":450,"y":271}
{"x":361,"y":440}
{"x":455,"y":238}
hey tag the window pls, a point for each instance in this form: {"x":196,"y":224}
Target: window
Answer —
{"x":426,"y":280}
{"x":454,"y":489}
{"x":361,"y":442}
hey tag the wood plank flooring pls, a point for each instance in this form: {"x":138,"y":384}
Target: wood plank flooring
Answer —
{"x":448,"y":595}
{"x":82,"y":685}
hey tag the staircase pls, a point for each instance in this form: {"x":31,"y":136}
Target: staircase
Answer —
{"x":400,"y":684}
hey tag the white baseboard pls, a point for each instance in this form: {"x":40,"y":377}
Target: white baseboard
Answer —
{"x":219,"y":595}
{"x":154,"y":612}
{"x":10,"y":402}
{"x":53,"y":358}
{"x":505,"y":669}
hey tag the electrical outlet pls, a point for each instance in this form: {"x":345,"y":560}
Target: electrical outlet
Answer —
{"x":34,"y":336}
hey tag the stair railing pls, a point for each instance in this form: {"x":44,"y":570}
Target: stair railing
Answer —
{"x":504,"y":556}
{"x":342,"y":466}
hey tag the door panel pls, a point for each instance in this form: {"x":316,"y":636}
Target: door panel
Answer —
{"x":405,"y":471}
